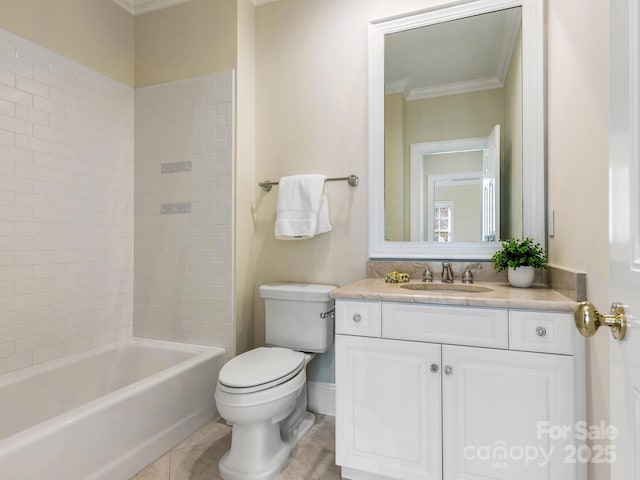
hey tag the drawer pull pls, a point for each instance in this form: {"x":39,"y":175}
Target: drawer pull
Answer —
{"x":357,"y":317}
{"x":448,"y":370}
{"x":541,"y":331}
{"x":434,"y":368}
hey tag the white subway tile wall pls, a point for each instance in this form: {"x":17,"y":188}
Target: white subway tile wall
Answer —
{"x":183,"y":210}
{"x":66,"y":205}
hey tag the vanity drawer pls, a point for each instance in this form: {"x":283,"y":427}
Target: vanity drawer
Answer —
{"x":358,"y":318}
{"x":539,"y":331}
{"x":482,"y":327}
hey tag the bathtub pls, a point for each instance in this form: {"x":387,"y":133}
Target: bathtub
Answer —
{"x":106,"y":413}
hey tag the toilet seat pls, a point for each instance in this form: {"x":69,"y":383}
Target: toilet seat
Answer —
{"x":260,"y":369}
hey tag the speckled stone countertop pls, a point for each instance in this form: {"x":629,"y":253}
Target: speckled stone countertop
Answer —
{"x":502,"y":295}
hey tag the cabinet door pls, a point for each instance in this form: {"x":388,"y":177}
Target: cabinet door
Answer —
{"x":498,"y":407}
{"x":388,"y":407}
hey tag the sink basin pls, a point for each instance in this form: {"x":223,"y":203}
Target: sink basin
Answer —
{"x":452,"y":287}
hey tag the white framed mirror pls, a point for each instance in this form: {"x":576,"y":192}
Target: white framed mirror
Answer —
{"x":442,"y":83}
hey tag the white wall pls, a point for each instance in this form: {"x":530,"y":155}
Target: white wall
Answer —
{"x":66,"y":205}
{"x":183,"y":259}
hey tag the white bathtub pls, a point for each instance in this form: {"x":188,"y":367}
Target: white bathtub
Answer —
{"x":106,"y":413}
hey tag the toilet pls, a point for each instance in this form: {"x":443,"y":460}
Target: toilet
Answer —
{"x":262,"y":393}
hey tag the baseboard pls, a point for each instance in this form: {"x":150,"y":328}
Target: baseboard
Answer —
{"x":322,"y":398}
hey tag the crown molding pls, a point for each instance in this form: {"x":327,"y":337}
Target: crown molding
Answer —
{"x":137,"y":7}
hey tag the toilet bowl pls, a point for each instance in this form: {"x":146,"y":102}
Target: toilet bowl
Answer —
{"x":261,"y":441}
{"x":262,"y":393}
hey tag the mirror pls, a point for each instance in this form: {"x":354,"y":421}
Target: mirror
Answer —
{"x":456,"y":130}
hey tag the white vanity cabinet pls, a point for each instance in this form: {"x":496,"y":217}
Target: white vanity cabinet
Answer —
{"x":388,"y":409}
{"x":455,"y":393}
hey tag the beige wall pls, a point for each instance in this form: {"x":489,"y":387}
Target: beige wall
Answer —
{"x":183,"y":41}
{"x":450,"y":117}
{"x":467,"y":214}
{"x":311,"y":116}
{"x":246,"y":188}
{"x":311,"y":109}
{"x":394,"y":185}
{"x":96,"y":33}
{"x":511,"y":173}
{"x":186,"y":40}
{"x":578,"y":42}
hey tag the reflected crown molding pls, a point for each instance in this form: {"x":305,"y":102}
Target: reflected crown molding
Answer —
{"x":496,"y":80}
{"x":454,"y":88}
{"x":137,"y":7}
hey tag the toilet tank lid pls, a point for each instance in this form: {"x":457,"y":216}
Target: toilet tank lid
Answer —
{"x":297,"y":291}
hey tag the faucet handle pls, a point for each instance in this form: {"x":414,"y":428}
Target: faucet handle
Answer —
{"x":467,"y":276}
{"x":427,"y":274}
{"x":447,"y":273}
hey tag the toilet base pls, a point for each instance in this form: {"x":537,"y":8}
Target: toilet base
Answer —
{"x":269,"y":452}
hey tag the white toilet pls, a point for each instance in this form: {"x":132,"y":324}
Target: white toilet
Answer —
{"x":262,"y":393}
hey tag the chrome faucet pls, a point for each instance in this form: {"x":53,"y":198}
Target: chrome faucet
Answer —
{"x":427,"y":274}
{"x":467,"y":276}
{"x":447,"y":274}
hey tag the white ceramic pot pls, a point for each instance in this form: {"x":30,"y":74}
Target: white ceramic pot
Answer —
{"x":521,"y":277}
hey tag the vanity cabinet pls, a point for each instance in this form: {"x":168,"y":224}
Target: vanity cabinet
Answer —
{"x":388,"y":409}
{"x":441,"y":394}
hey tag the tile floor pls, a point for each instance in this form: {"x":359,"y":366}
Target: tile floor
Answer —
{"x":197,"y":457}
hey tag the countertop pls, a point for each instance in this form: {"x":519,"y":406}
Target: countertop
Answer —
{"x":502,"y":295}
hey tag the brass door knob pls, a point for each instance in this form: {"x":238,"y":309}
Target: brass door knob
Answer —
{"x":588,"y":320}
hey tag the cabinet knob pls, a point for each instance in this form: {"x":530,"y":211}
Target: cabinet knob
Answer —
{"x":434,"y":368}
{"x":541,"y":331}
{"x":357,"y":317}
{"x":448,"y":370}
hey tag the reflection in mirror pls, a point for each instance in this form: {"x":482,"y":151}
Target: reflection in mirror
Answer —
{"x":453,"y":130}
{"x":410,"y":113}
{"x":474,"y":161}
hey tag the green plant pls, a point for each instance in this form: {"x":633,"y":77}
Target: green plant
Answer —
{"x":519,"y":253}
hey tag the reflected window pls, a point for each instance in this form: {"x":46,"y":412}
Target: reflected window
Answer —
{"x":443,"y":222}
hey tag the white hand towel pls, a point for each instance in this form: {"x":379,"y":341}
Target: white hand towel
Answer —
{"x":303,"y":208}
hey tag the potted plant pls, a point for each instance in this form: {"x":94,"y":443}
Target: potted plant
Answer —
{"x":520,"y":258}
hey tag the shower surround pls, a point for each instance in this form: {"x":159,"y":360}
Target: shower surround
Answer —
{"x":67,"y":208}
{"x":183,"y":211}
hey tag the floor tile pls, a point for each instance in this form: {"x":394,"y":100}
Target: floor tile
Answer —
{"x":197,"y":457}
{"x":158,"y":470}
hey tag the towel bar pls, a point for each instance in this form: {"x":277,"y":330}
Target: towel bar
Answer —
{"x":352,"y":179}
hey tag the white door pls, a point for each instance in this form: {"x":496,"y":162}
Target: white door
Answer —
{"x":388,"y":404}
{"x":624,"y":233}
{"x":495,"y":403}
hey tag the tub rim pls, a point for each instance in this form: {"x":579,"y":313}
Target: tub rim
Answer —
{"x":58,"y":422}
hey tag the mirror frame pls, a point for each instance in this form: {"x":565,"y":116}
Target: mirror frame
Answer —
{"x":533,"y":126}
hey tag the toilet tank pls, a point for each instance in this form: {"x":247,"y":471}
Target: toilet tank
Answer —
{"x":292,"y":316}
